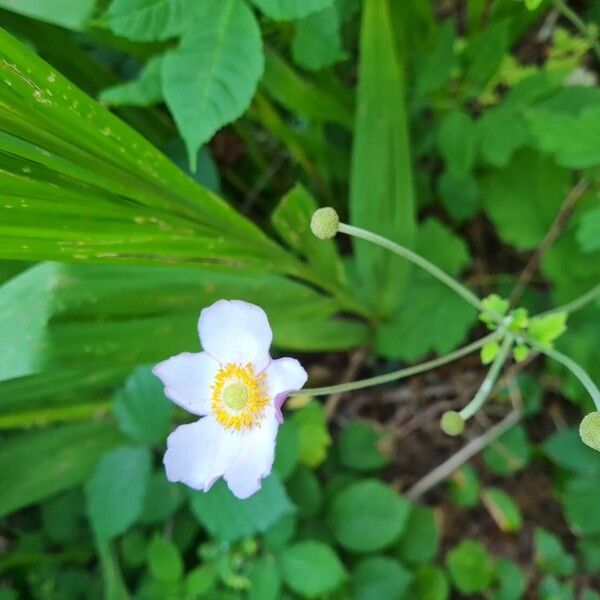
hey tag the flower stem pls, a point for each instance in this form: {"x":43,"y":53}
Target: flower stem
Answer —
{"x":488,"y":383}
{"x":416,"y":259}
{"x":583,"y":377}
{"x":395,"y":375}
{"x":578,"y":303}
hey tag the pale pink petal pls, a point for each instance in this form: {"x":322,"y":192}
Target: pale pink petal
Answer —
{"x":188,"y":379}
{"x":255,"y":459}
{"x":284,"y":375}
{"x":234,"y":331}
{"x":199,"y":453}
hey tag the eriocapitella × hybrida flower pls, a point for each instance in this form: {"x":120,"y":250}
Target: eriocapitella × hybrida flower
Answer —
{"x":238,"y":390}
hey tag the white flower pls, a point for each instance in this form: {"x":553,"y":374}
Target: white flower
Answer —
{"x":238,"y":390}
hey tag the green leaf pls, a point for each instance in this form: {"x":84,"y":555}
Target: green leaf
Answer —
{"x":265,"y":579}
{"x":471,"y":567}
{"x":512,"y":581}
{"x":588,"y":234}
{"x":523,"y":199}
{"x":291,"y":219}
{"x":547,"y":329}
{"x":201,"y":580}
{"x":565,"y":449}
{"x":358,"y":447}
{"x":589,"y":549}
{"x":144,"y":90}
{"x":511,"y":452}
{"x":421,"y":537}
{"x":134,"y":548}
{"x":430,"y":584}
{"x":164,"y":561}
{"x":428,"y":307}
{"x":380,"y":578}
{"x":503,"y":509}
{"x":572,"y":140}
{"x":501,"y":133}
{"x":36,"y":465}
{"x":305,"y":492}
{"x":457,"y":141}
{"x":141,"y":409}
{"x":464,"y":487}
{"x":114,"y":586}
{"x":367,"y":516}
{"x":550,"y":556}
{"x":287,"y":450}
{"x":290,"y":10}
{"x":552,"y":589}
{"x":66,"y":13}
{"x":116,"y":491}
{"x":460,"y":196}
{"x":163,"y":498}
{"x":228,"y":519}
{"x":581,"y":505}
{"x":279,"y":534}
{"x":489,"y":352}
{"x":313,"y":434}
{"x":318,"y":42}
{"x":312,"y":569}
{"x":218,"y":65}
{"x":381,"y":185}
{"x":437,"y":65}
{"x":145,"y":21}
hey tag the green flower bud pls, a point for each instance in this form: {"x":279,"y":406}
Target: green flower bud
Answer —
{"x":452,"y":423}
{"x":324,"y":223}
{"x":589,"y":430}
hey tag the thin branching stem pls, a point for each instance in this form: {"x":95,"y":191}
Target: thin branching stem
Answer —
{"x":578,"y":303}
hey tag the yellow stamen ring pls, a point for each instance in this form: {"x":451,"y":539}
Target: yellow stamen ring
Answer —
{"x":239,"y":397}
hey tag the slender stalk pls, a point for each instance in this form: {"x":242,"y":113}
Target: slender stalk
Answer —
{"x":579,"y":24}
{"x":395,"y":375}
{"x":416,"y":259}
{"x":488,"y":383}
{"x":578,"y":303}
{"x":583,"y":377}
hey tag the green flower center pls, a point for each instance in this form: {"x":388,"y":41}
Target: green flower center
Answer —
{"x":235,"y":396}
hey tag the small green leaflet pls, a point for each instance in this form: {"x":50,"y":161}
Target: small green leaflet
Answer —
{"x":546,"y":329}
{"x":144,"y":90}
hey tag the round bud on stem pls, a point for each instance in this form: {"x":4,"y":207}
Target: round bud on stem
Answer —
{"x":324,"y":223}
{"x":452,"y":423}
{"x":589,"y":430}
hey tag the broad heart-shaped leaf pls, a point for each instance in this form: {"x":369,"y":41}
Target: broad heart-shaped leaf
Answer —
{"x":209,"y":80}
{"x":116,"y":491}
{"x":431,"y":315}
{"x":66,"y":13}
{"x":290,"y":10}
{"x":148,"y":20}
{"x":142,"y":411}
{"x":522,"y":200}
{"x":65,"y":157}
{"x":34,"y":466}
{"x":228,"y":519}
{"x":381,"y":185}
{"x":312,"y":569}
{"x":94,"y":323}
{"x":367,"y":516}
{"x":144,"y":90}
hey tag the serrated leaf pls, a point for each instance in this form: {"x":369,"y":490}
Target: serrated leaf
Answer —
{"x":317,"y":42}
{"x":144,"y":90}
{"x":367,"y":516}
{"x":312,"y":569}
{"x":218,"y":65}
{"x":503,"y":509}
{"x":547,"y":329}
{"x":116,"y":491}
{"x":290,"y":10}
{"x":145,"y":21}
{"x":228,"y":519}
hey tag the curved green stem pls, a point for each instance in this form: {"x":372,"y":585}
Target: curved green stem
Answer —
{"x":583,"y":377}
{"x":416,"y":259}
{"x":578,"y":303}
{"x":395,"y":375}
{"x":488,"y":383}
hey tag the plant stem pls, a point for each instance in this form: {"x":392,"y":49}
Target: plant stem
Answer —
{"x":395,"y":375}
{"x":488,"y":383}
{"x":583,"y":377}
{"x":579,"y":24}
{"x":416,"y":259}
{"x":578,"y":303}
